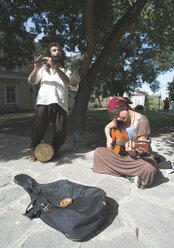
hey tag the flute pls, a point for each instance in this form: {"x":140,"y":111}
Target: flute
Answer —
{"x":37,"y":61}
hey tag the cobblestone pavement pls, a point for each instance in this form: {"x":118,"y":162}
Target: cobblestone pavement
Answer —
{"x":138,"y":218}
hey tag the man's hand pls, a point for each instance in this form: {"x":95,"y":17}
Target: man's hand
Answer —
{"x":51,"y":63}
{"x":33,"y":76}
{"x":38,"y":65}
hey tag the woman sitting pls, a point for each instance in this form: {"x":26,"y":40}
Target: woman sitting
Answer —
{"x":133,"y":161}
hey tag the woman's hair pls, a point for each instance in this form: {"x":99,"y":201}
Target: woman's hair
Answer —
{"x":114,"y":113}
{"x":56,"y":44}
{"x":117,"y":104}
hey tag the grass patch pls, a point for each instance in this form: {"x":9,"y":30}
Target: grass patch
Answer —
{"x":159,"y":122}
{"x":158,"y":119}
{"x":96,"y":120}
{"x":16,"y":116}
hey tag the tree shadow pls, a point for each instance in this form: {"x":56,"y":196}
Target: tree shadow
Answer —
{"x":162,"y":164}
{"x":18,"y":147}
{"x":13,"y":147}
{"x":159,"y":179}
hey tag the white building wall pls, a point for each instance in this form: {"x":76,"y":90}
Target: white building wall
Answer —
{"x":137,"y":100}
{"x":171,"y":105}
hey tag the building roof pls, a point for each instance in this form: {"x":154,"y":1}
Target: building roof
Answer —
{"x":138,"y":94}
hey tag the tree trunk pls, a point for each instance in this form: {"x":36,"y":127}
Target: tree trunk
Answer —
{"x":87,"y":73}
{"x":99,"y":101}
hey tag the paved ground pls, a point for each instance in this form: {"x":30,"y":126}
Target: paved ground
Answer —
{"x":150,"y":211}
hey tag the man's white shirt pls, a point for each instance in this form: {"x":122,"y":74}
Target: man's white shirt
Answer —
{"x":52,"y":88}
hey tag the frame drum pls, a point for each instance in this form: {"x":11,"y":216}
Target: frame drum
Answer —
{"x":44,"y":152}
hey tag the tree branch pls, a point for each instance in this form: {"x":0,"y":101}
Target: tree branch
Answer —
{"x":120,"y":27}
{"x":88,"y":16}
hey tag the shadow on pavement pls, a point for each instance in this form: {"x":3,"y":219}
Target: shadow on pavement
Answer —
{"x":164,"y":145}
{"x":162,"y":164}
{"x":112,"y":212}
{"x":14,"y":147}
{"x":159,"y":179}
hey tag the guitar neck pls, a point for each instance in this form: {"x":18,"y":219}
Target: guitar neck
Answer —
{"x":140,"y":145}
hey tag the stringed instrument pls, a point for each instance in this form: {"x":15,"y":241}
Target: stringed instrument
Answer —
{"x":119,"y":139}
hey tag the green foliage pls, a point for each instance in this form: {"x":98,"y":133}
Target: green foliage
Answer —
{"x":145,"y":50}
{"x":15,"y":41}
{"x":139,"y":107}
{"x":127,"y":69}
{"x":170,"y":88}
{"x":64,"y":21}
{"x":154,"y":102}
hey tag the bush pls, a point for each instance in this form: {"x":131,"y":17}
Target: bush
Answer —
{"x":139,"y":107}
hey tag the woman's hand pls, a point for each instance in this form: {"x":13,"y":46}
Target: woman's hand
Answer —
{"x":109,"y":142}
{"x":131,"y":151}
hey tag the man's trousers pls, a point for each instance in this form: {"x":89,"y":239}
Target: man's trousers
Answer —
{"x":44,"y":115}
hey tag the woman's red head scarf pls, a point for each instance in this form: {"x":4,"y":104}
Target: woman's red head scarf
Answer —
{"x":118,"y":102}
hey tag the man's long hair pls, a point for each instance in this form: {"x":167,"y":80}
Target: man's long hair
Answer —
{"x":61,"y":61}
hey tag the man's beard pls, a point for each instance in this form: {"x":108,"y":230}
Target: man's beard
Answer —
{"x":57,"y":59}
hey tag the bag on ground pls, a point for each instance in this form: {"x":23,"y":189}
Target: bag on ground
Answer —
{"x":73,"y":209}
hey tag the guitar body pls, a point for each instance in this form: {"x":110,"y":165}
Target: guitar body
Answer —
{"x":119,"y":138}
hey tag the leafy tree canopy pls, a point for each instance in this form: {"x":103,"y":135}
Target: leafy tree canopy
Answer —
{"x":122,"y":43}
{"x":145,"y":50}
{"x":170,"y":88}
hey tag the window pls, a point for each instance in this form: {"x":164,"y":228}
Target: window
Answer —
{"x":11,"y":94}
